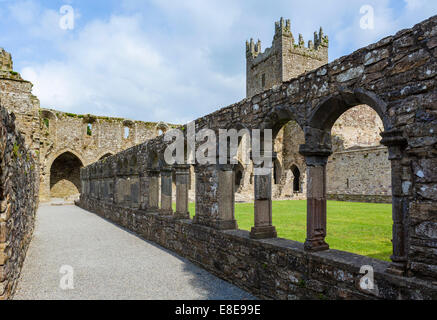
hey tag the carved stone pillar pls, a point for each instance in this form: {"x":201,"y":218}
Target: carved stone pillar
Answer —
{"x":166,"y":191}
{"x":396,"y":144}
{"x":153,"y":205}
{"x":316,"y":160}
{"x":207,"y":182}
{"x":182,"y":186}
{"x":226,"y":198}
{"x":263,"y":228}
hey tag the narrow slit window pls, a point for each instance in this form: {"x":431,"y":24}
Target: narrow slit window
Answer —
{"x":89,"y":129}
{"x":126,"y":132}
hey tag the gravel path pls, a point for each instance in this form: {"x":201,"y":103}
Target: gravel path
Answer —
{"x":109,"y":263}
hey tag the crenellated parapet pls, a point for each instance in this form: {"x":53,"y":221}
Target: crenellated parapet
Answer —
{"x":285,"y":59}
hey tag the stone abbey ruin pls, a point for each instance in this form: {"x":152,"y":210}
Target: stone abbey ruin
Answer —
{"x":361,"y":128}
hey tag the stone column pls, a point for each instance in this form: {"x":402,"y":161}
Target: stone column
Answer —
{"x":166,"y":191}
{"x":226,"y":198}
{"x":206,"y":195}
{"x":316,"y":161}
{"x":263,"y":228}
{"x":182,"y":186}
{"x":396,"y":145}
{"x":153,"y":205}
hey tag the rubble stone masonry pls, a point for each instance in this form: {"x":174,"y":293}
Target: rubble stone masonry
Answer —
{"x":19,"y":186}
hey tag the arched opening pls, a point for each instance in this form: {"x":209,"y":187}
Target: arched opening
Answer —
{"x":296,"y":179}
{"x":358,"y":175}
{"x":288,"y":210}
{"x":277,"y":172}
{"x":161,"y":128}
{"x":65,"y":176}
{"x":349,"y":126}
{"x":126,"y":132}
{"x":286,"y":146}
{"x":47,"y":120}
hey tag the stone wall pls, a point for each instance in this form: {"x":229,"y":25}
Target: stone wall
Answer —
{"x":54,"y":135}
{"x":87,"y":138}
{"x":359,"y":166}
{"x":16,"y":96}
{"x":270,"y":269}
{"x":19,"y":185}
{"x":362,"y":172}
{"x":396,"y":78}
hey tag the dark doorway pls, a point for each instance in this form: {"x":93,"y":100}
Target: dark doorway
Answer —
{"x":65,"y":176}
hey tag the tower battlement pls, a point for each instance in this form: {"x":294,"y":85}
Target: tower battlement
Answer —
{"x":285,"y":59}
{"x":5,"y":60}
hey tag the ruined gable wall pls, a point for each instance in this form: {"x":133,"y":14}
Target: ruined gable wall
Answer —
{"x":67,"y":132}
{"x":50,"y":133}
{"x":16,"y":96}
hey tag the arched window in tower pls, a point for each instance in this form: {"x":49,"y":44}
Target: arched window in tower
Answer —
{"x":126,"y":132}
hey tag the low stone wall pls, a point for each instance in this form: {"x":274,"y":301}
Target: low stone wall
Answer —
{"x":270,"y":269}
{"x":19,"y":187}
{"x":366,"y":198}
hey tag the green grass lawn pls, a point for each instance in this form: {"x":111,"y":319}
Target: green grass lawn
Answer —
{"x":362,"y":228}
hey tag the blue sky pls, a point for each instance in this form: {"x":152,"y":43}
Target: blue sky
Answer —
{"x":167,"y":60}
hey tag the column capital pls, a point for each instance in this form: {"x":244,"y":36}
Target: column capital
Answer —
{"x":153,"y":171}
{"x":166,"y":168}
{"x":315,"y":155}
{"x":166,"y":171}
{"x":272,"y":155}
{"x":393,"y":138}
{"x":181,"y":167}
{"x":395,"y":142}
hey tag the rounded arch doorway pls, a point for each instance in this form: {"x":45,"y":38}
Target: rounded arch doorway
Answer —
{"x":65,"y":176}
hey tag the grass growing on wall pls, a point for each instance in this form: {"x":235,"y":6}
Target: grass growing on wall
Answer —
{"x":361,"y":228}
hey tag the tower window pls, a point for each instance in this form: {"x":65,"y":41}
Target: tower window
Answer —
{"x":89,"y":129}
{"x":126,"y":132}
{"x":263,"y":80}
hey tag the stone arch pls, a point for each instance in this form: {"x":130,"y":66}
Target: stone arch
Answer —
{"x":65,"y":175}
{"x":57,"y":154}
{"x":161,"y":128}
{"x":279,"y":116}
{"x":105,"y":155}
{"x":329,"y":110}
{"x":318,"y":147}
{"x":153,"y":160}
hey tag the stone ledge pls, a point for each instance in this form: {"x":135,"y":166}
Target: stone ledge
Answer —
{"x":332,"y":273}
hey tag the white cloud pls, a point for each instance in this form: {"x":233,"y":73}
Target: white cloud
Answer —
{"x":414,"y":4}
{"x":178,"y":60}
{"x":111,"y":68}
